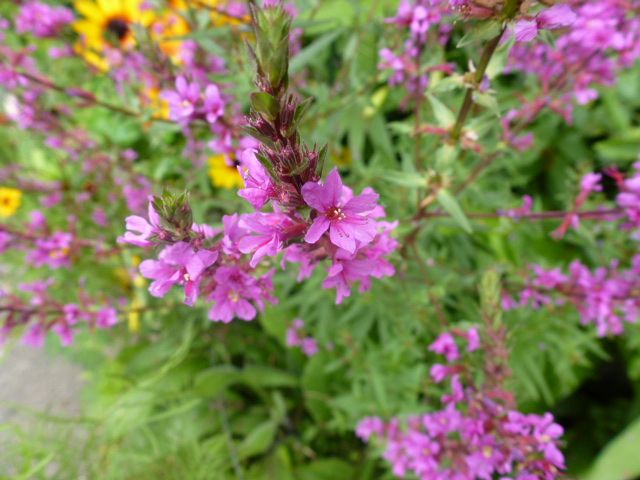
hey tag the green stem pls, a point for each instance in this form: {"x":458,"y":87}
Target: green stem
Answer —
{"x":467,"y":103}
{"x":509,"y":11}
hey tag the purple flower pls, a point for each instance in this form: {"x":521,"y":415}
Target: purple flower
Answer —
{"x":370,"y":261}
{"x":473,"y":339}
{"x":557,"y":16}
{"x":446,"y":345}
{"x":235,"y":288}
{"x":525,"y":30}
{"x":5,"y":241}
{"x":292,"y":338}
{"x":106,"y":317}
{"x":140,"y":230}
{"x":213,"y":103}
{"x":42,"y":20}
{"x":369,"y":427}
{"x":54,"y":251}
{"x":309,"y":346}
{"x":64,"y":332}
{"x":346,"y":217}
{"x":299,"y":254}
{"x":34,"y":337}
{"x":258,"y":186}
{"x":183,"y":100}
{"x":439,"y":372}
{"x":178,"y":264}
{"x":266,"y":232}
{"x":591,"y":183}
{"x":233,"y":233}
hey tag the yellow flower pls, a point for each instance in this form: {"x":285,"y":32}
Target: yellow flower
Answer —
{"x":223,"y":174}
{"x":166,"y":31}
{"x":151,"y":98}
{"x":108,"y":23}
{"x":10,"y":200}
{"x":133,"y":317}
{"x":222,"y":15}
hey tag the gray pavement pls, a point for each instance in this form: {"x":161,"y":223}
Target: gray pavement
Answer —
{"x":33,"y":380}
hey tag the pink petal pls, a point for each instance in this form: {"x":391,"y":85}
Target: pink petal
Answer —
{"x":315,"y":196}
{"x":333,"y":188}
{"x":340,"y":237}
{"x":317,"y":229}
{"x":526,"y":30}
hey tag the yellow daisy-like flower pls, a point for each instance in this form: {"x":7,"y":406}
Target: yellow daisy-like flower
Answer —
{"x":224,"y":175}
{"x":10,"y":200}
{"x":108,"y":23}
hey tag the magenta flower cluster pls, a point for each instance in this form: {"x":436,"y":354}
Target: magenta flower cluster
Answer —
{"x":418,"y":17}
{"x":228,"y":264}
{"x":598,"y":38}
{"x":605,"y":297}
{"x":42,"y":246}
{"x":42,"y":20}
{"x":474,"y":436}
{"x":188,"y":103}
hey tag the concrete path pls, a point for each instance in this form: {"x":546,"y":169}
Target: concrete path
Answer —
{"x":37,"y":381}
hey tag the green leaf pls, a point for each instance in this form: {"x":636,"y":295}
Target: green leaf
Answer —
{"x":619,"y":460}
{"x":265,"y":104}
{"x":259,"y":440}
{"x":311,"y":52}
{"x":484,"y":31}
{"x":405,"y":179}
{"x":326,"y":469}
{"x":622,"y":147}
{"x":379,"y":136}
{"x":317,"y":387}
{"x":499,"y":59}
{"x":444,"y":116}
{"x":276,"y":319}
{"x":452,"y":207}
{"x":263,"y":376}
{"x":487,"y":100}
{"x":214,"y":381}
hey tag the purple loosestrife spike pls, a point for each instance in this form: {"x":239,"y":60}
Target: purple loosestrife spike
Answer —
{"x":275,"y":114}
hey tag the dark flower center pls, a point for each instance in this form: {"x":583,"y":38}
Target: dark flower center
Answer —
{"x":119,"y":28}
